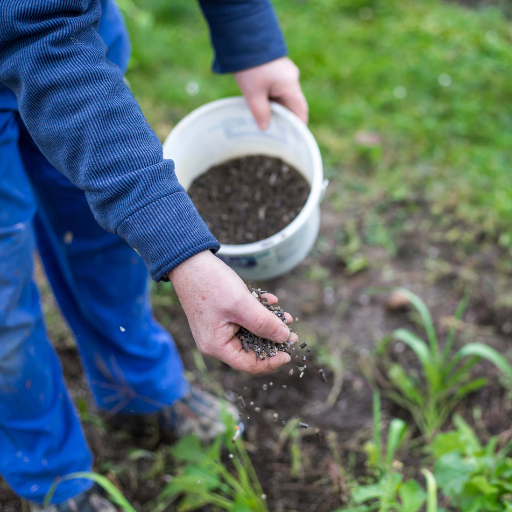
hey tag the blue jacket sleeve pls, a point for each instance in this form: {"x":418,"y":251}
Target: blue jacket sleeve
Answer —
{"x":244,"y":33}
{"x":86,"y":122}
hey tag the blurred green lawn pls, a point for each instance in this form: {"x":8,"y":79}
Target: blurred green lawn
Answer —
{"x":432,"y":79}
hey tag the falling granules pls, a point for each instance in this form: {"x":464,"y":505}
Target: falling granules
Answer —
{"x":262,"y":347}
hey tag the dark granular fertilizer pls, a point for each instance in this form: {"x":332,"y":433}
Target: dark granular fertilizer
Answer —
{"x":249,"y":199}
{"x":262,"y":347}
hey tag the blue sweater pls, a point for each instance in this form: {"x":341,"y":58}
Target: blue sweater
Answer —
{"x":81,"y":115}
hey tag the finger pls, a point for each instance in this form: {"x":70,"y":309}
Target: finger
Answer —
{"x":296,"y":102}
{"x":256,"y":318}
{"x":260,"y":108}
{"x":289,"y":318}
{"x":271,"y":299}
{"x":234,"y":355}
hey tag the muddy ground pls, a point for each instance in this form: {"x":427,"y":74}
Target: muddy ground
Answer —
{"x":342,"y":322}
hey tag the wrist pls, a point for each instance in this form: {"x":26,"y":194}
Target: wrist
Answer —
{"x":190,"y":266}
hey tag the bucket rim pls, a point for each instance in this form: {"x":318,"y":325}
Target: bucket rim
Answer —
{"x":317,"y":182}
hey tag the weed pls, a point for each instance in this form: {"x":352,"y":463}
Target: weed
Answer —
{"x":202,"y":478}
{"x":446,"y":374}
{"x":474,"y":476}
{"x":390,"y":492}
{"x":114,"y":493}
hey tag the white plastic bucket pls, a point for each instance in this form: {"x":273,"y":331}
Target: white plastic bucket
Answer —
{"x":225,"y":129}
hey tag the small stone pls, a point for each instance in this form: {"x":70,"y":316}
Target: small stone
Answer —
{"x":397,"y":301}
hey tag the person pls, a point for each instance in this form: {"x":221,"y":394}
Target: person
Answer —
{"x":76,"y":156}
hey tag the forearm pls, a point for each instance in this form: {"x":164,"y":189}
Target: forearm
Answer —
{"x":244,"y":33}
{"x":89,"y":126}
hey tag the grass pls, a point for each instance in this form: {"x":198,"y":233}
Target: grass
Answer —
{"x":446,"y":378}
{"x":429,"y":79}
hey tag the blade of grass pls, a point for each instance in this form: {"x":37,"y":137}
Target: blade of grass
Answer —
{"x":114,"y":493}
{"x":431,"y":490}
{"x":419,"y":347}
{"x":396,"y":434}
{"x":450,"y":337}
{"x":377,"y":428}
{"x":426,"y":318}
{"x":478,"y":349}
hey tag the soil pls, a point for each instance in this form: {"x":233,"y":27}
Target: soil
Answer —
{"x":342,"y":323}
{"x":249,"y":199}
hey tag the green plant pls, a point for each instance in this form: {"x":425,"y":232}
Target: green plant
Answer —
{"x":292,"y":433}
{"x":446,"y":374}
{"x":390,"y":492}
{"x":114,"y":493}
{"x":203,"y":479}
{"x":474,"y":476}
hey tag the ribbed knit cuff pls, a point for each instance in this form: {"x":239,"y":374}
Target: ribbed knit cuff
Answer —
{"x":245,"y":43}
{"x":166,"y":233}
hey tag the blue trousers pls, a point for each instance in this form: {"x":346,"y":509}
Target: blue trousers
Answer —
{"x":101,"y":286}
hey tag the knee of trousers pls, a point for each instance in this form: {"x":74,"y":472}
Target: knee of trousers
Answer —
{"x":20,"y":311}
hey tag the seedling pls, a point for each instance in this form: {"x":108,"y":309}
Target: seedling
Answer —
{"x":390,"y":493}
{"x":446,"y":376}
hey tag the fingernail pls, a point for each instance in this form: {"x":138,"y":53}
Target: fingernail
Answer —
{"x":282,"y":334}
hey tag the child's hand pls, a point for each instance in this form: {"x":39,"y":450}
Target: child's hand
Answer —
{"x":217,"y":302}
{"x":277,"y":80}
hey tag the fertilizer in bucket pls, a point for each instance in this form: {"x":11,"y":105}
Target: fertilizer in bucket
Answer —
{"x":225,"y":130}
{"x":250,"y":198}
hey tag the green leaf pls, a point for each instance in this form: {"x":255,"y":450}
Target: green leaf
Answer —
{"x":470,"y":387}
{"x":450,"y":337}
{"x":478,"y":349}
{"x":426,"y":318}
{"x":377,"y":429}
{"x":452,"y":473}
{"x":396,"y":435}
{"x":193,"y":502}
{"x":241,"y":504}
{"x":406,"y":384}
{"x":469,"y":439}
{"x":188,"y":449}
{"x":483,"y":485}
{"x":412,"y":496}
{"x":461,"y":375}
{"x":368,"y":492}
{"x":419,"y":347}
{"x":114,"y":493}
{"x":448,"y":442}
{"x":431,"y":491}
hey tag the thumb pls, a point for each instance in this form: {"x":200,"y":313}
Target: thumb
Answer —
{"x":260,"y":108}
{"x":260,"y":321}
